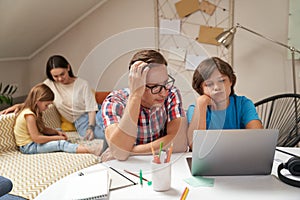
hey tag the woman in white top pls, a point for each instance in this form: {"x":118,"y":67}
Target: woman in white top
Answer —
{"x":74,"y":99}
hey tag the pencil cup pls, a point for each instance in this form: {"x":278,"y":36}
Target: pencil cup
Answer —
{"x":161,"y":176}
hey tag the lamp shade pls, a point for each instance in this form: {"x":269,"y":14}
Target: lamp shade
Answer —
{"x":226,"y":37}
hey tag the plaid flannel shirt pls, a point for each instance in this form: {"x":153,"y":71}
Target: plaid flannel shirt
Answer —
{"x":152,"y":122}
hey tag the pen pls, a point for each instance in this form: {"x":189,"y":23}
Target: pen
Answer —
{"x":160,"y":148}
{"x":163,"y":157}
{"x":133,"y":174}
{"x":141,"y":177}
{"x":184,"y":194}
{"x":149,"y":182}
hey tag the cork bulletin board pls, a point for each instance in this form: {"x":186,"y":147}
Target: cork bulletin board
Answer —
{"x":187,"y":31}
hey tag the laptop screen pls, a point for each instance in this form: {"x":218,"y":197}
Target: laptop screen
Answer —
{"x":233,"y":151}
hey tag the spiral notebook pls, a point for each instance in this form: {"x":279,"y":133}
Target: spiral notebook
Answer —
{"x":91,"y":186}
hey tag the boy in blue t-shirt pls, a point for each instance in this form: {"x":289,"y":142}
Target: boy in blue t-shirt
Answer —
{"x":218,"y":107}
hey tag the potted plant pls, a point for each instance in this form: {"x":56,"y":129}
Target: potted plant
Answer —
{"x":6,"y":93}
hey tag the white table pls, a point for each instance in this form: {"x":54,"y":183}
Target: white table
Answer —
{"x":225,"y":187}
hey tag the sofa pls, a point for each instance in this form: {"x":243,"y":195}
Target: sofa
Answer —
{"x":31,"y":174}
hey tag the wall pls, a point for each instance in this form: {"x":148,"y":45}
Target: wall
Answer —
{"x":112,"y":18}
{"x":15,"y":72}
{"x":262,"y":67}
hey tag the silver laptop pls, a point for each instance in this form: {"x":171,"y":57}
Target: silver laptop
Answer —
{"x":233,"y":152}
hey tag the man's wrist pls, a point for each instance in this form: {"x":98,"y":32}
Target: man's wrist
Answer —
{"x":128,"y":126}
{"x":135,"y":97}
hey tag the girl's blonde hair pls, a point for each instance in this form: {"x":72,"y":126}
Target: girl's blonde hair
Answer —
{"x":39,"y":92}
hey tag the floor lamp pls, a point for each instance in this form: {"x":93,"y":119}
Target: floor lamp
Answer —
{"x":226,"y":39}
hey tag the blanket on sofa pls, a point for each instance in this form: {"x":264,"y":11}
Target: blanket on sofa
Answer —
{"x":31,"y":174}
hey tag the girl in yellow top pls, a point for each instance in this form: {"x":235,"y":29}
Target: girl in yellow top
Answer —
{"x":32,"y":136}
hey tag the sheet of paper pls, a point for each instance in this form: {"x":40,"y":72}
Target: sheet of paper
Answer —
{"x":177,"y":54}
{"x":199,"y":181}
{"x":169,"y":26}
{"x":97,"y":182}
{"x":186,"y":7}
{"x":207,"y":7}
{"x":192,"y":61}
{"x":208,"y":34}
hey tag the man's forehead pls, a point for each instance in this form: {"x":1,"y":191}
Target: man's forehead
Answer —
{"x":157,"y":74}
{"x":151,"y":65}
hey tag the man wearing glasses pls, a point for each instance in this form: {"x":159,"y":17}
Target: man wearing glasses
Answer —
{"x":139,"y":118}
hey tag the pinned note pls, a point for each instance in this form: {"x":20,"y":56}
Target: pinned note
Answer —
{"x":187,"y":7}
{"x":177,"y":54}
{"x":208,"y":34}
{"x":169,"y":26}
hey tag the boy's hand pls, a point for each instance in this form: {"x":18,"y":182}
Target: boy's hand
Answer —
{"x":205,"y":100}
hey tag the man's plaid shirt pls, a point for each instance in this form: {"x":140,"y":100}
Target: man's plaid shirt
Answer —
{"x":152,"y":122}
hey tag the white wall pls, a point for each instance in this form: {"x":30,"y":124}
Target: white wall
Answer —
{"x":262,"y":67}
{"x":15,"y":72}
{"x":112,"y":18}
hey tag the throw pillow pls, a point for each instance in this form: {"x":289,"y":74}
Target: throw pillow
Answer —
{"x":66,"y":125}
{"x":7,"y":137}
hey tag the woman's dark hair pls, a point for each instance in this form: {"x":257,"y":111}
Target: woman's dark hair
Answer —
{"x":148,"y":56}
{"x":57,"y":61}
{"x":206,"y":68}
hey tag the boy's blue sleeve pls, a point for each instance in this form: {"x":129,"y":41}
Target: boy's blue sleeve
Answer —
{"x":190,"y":112}
{"x":248,"y":111}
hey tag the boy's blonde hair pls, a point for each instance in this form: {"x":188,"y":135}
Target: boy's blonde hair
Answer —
{"x":39,"y":92}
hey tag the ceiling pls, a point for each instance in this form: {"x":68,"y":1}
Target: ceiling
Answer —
{"x":28,"y":26}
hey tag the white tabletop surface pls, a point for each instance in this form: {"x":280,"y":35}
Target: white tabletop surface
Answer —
{"x":225,"y":187}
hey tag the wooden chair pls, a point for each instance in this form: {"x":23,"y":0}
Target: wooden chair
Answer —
{"x":282,"y":112}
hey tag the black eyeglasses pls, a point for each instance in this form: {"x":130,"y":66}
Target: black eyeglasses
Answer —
{"x":155,"y":89}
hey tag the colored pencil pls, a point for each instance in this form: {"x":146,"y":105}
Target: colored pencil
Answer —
{"x":184,"y":194}
{"x":169,"y":153}
{"x":152,"y":149}
{"x":133,"y":174}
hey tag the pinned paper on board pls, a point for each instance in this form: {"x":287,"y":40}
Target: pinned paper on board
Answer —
{"x":208,"y":34}
{"x":169,"y":26}
{"x":186,"y":7}
{"x":207,"y":7}
{"x":177,"y":54}
{"x":192,"y":61}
